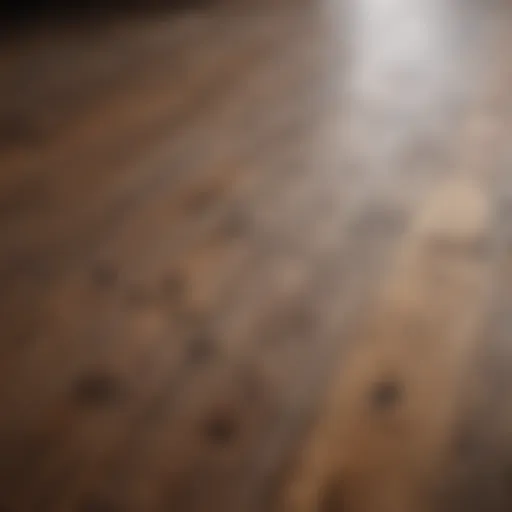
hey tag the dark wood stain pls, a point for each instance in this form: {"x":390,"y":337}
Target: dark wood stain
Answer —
{"x":97,"y":389}
{"x":220,"y":427}
{"x":236,"y":224}
{"x":332,"y":499}
{"x":201,"y":349}
{"x":386,"y":394}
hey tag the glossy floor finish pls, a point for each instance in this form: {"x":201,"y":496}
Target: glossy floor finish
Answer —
{"x":256,"y":257}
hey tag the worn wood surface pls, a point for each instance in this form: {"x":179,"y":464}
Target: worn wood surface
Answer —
{"x":255,"y":256}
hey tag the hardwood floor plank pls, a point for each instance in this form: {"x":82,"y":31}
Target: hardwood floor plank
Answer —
{"x":254,"y":257}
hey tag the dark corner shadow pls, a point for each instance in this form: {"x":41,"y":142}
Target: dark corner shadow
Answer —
{"x":28,"y":14}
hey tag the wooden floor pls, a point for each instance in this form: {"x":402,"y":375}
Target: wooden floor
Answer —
{"x":257,"y":257}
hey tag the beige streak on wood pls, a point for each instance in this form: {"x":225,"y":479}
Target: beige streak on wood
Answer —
{"x":421,"y":335}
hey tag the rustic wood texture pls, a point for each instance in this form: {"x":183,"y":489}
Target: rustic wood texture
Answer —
{"x":255,"y":256}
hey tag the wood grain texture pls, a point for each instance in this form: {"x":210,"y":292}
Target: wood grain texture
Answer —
{"x":255,"y":256}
